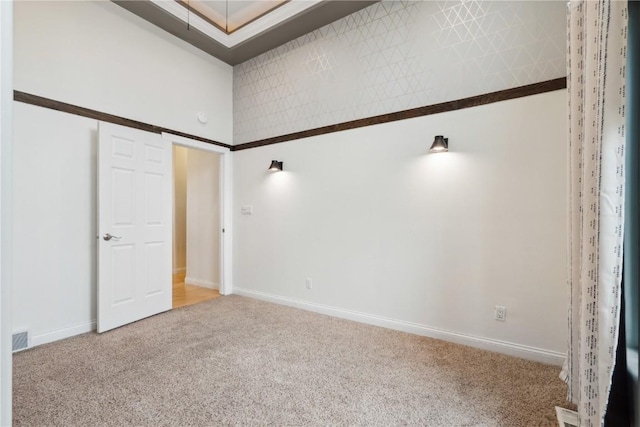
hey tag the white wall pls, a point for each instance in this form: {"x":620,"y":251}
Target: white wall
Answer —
{"x":97,"y":55}
{"x":203,"y":219}
{"x":6,"y":179}
{"x":55,"y":227}
{"x":179,"y":209}
{"x":100,"y":56}
{"x":427,"y":243}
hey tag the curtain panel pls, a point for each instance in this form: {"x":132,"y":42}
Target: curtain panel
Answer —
{"x":596,"y":66}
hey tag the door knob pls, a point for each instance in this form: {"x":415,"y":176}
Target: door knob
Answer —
{"x":108,"y":237}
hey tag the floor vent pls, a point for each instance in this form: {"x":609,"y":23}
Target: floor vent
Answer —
{"x":20,"y":341}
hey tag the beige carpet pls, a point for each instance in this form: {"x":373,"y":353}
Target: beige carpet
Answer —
{"x":238,"y":361}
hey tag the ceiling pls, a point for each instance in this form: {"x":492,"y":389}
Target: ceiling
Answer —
{"x":230,"y":16}
{"x":237,"y":30}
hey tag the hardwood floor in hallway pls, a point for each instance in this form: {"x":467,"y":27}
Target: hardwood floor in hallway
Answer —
{"x":184,"y":294}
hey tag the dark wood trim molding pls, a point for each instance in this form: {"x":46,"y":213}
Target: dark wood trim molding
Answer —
{"x":474,"y":101}
{"x":52,"y":104}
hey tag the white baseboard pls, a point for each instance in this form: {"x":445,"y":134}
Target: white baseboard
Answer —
{"x":199,"y":282}
{"x":508,"y":348}
{"x":179,"y":270}
{"x":47,"y":337}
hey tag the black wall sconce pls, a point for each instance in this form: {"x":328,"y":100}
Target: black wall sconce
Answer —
{"x":440,"y":144}
{"x":276,"y":165}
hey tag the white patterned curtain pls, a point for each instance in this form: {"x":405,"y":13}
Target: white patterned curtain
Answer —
{"x":596,"y":84}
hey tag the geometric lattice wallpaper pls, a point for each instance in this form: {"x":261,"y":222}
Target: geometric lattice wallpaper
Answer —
{"x":396,"y":55}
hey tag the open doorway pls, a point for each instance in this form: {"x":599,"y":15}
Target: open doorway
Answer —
{"x":197,"y":226}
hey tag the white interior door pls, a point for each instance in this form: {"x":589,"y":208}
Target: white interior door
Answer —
{"x":134,"y":225}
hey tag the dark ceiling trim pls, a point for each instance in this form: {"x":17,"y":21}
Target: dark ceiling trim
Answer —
{"x":474,"y":101}
{"x":303,"y":23}
{"x":52,"y":104}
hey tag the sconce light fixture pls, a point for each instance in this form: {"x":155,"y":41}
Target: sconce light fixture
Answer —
{"x":276,"y":165}
{"x":440,"y":144}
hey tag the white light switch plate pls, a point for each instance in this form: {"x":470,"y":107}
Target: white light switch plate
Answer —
{"x":246,"y":210}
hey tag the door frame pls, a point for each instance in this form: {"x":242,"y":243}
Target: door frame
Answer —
{"x":226,"y":262}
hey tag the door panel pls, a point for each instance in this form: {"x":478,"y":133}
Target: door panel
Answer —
{"x":122,"y":201}
{"x":123,"y":268}
{"x":134,"y":206}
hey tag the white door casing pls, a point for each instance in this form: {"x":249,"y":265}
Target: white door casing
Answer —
{"x":226,"y":173}
{"x":134,"y":206}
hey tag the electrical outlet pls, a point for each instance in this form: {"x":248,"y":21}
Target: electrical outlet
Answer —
{"x":308,"y":283}
{"x":501,"y":313}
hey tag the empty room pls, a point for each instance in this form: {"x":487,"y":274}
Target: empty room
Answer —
{"x":316,"y":212}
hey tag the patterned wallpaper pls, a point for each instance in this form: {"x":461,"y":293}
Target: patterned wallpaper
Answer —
{"x":396,"y":55}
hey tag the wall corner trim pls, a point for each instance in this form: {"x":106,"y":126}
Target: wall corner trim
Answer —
{"x":504,"y":347}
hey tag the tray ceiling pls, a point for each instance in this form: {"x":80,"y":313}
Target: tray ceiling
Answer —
{"x":237,"y":30}
{"x":230,"y":16}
